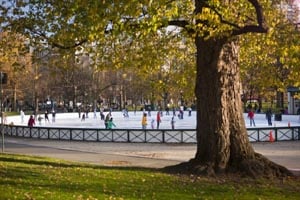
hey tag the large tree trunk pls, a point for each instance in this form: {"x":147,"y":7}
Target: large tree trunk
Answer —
{"x":223,"y":144}
{"x":221,"y":132}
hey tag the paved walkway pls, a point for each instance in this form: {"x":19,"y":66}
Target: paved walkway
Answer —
{"x":149,"y":155}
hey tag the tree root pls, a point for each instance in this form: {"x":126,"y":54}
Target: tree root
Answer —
{"x":259,"y":167}
{"x":191,"y":167}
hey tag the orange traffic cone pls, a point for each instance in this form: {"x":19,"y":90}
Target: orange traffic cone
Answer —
{"x":271,"y":139}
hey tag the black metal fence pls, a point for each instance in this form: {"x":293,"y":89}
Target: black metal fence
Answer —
{"x":143,"y":136}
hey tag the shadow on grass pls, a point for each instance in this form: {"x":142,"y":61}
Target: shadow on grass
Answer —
{"x":36,"y":160}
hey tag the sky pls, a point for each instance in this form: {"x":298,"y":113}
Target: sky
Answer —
{"x":297,"y":3}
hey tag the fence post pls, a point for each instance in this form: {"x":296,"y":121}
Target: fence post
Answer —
{"x":181,"y":131}
{"x":97,"y":135}
{"x":128,"y":136}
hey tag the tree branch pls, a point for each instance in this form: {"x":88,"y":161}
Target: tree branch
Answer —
{"x":260,"y":28}
{"x":222,"y":20}
{"x":181,"y":23}
{"x":54,"y":44}
{"x":76,"y":44}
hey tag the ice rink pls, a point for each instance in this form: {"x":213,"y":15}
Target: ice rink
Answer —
{"x":134,"y":120}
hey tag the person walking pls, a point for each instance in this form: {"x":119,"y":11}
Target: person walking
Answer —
{"x":31,"y":121}
{"x":144,"y":121}
{"x":269,"y":116}
{"x":158,"y":120}
{"x":251,"y":117}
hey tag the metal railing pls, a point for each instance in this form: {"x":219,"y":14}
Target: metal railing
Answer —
{"x":140,"y":135}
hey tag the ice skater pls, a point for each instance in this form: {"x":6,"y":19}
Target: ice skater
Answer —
{"x":251,"y":117}
{"x":173,"y":123}
{"x":152,"y":123}
{"x":158,"y":120}
{"x":46,"y":117}
{"x":269,"y":116}
{"x":53,"y":116}
{"x":95,"y":113}
{"x":83,"y":117}
{"x":111,"y":124}
{"x":22,"y":116}
{"x":40,"y":119}
{"x":107,"y":118}
{"x":31,"y":121}
{"x":144,"y":121}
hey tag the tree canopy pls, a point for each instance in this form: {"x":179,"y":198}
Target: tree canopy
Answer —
{"x":121,"y":34}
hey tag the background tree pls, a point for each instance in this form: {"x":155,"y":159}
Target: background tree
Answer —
{"x":277,"y":54}
{"x":13,"y":61}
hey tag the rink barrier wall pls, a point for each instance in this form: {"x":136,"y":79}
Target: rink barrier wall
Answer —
{"x":140,"y":135}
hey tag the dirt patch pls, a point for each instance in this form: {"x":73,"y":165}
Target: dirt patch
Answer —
{"x":119,"y":163}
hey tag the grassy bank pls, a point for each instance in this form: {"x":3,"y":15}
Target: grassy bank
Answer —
{"x":24,"y":177}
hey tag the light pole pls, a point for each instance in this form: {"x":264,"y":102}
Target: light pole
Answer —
{"x":3,"y":80}
{"x":1,"y":108}
{"x":181,"y":98}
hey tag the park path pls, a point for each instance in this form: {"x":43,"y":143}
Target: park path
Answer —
{"x":148,"y":155}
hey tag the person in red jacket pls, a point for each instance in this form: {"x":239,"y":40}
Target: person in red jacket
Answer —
{"x":251,"y":117}
{"x":31,"y":121}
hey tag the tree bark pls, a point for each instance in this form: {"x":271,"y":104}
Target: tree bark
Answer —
{"x":221,"y":132}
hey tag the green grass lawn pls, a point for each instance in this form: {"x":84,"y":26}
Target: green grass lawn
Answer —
{"x":25,"y":177}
